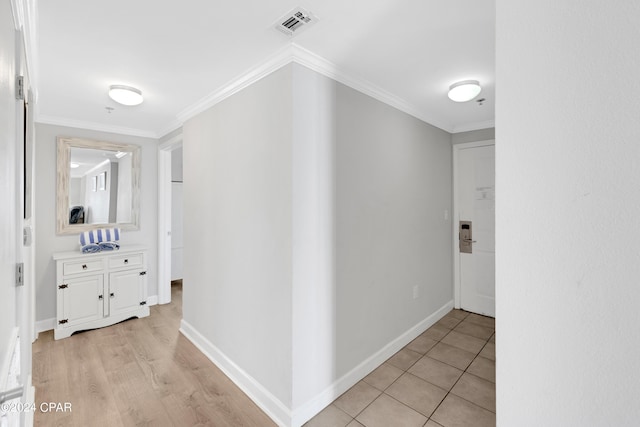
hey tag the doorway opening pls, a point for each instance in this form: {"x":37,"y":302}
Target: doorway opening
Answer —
{"x":169,"y":216}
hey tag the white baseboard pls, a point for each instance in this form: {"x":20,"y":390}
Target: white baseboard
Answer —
{"x":48,"y":324}
{"x":312,"y":407}
{"x":266,"y":401}
{"x":45,"y":325}
{"x":272,"y":406}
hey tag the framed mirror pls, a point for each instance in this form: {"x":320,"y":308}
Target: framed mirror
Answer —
{"x":98,"y":185}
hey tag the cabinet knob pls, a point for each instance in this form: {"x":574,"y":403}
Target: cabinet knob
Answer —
{"x":99,"y":296}
{"x":126,"y":261}
{"x":84,"y":266}
{"x":111,"y":295}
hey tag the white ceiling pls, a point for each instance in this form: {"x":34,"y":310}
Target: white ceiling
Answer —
{"x":404,"y":51}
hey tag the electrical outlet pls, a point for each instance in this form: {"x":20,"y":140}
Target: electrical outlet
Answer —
{"x":416,"y":292}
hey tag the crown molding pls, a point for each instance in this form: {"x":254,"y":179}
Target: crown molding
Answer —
{"x":474,"y":126}
{"x":60,"y":121}
{"x":320,"y":65}
{"x":294,"y":53}
{"x":174,"y":125}
{"x":252,"y":75}
{"x":291,"y":53}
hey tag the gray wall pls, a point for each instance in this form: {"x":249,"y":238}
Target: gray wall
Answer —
{"x":237,"y":230}
{"x":473,"y":136}
{"x":176,"y":165}
{"x":567,"y":175}
{"x":45,"y":210}
{"x":306,"y":175}
{"x":393,"y":184}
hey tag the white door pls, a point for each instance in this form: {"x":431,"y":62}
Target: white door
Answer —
{"x":176,"y":230}
{"x":475,"y":206}
{"x":16,"y":260}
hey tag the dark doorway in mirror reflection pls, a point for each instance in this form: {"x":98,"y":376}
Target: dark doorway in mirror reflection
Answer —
{"x":76,"y":215}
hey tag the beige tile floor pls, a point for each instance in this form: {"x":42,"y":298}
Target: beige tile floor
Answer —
{"x":443,"y":378}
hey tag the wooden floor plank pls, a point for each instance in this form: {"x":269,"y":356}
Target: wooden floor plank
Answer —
{"x":140,"y":372}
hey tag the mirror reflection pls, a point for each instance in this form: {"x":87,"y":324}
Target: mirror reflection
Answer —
{"x":99,"y":186}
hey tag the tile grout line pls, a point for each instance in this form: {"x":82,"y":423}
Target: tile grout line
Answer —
{"x":406,"y":371}
{"x":463,"y":372}
{"x":394,"y":381}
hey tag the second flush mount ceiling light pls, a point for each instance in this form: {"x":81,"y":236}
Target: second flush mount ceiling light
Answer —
{"x":125,"y":95}
{"x":464,"y":91}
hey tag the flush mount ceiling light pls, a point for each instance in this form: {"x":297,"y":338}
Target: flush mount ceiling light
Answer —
{"x":464,"y":91}
{"x":125,"y":95}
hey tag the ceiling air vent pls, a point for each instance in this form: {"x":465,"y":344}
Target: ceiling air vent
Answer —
{"x":295,"y":21}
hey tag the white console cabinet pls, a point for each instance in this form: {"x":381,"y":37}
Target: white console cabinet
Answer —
{"x":99,"y":289}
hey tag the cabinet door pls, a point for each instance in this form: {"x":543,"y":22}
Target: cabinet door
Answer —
{"x":82,"y":300}
{"x":126,"y":291}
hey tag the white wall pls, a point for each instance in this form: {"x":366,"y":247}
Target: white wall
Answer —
{"x":237,"y":230}
{"x":49,"y":242}
{"x":76,"y":191}
{"x":97,"y":204}
{"x":567,"y":174}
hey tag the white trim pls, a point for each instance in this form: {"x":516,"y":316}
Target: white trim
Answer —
{"x":292,"y":53}
{"x":271,"y":405}
{"x":297,"y":54}
{"x":164,"y":226}
{"x":456,"y":214}
{"x":164,"y":217}
{"x":322,"y":66}
{"x":45,"y":325}
{"x":474,"y":126}
{"x":271,"y":64}
{"x":172,"y":143}
{"x":174,"y":125}
{"x":152,"y":300}
{"x":313,"y":406}
{"x":60,"y":121}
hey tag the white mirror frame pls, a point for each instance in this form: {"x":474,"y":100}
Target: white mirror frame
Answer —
{"x":62,"y":194}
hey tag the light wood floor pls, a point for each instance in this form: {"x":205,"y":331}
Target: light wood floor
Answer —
{"x":137,"y":373}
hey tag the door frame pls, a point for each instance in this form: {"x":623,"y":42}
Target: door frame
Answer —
{"x":164,"y":217}
{"x":456,"y":213}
